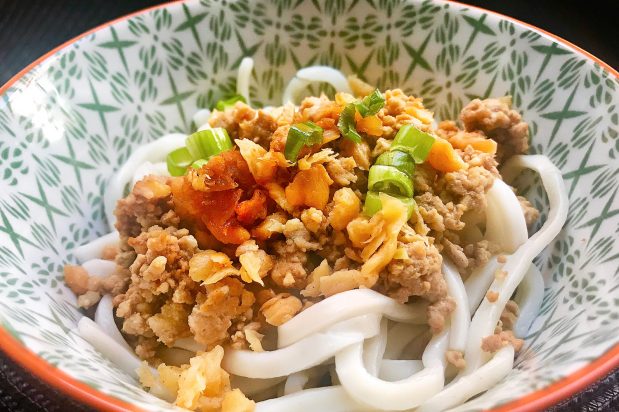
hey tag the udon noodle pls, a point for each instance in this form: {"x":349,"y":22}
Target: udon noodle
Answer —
{"x":359,"y":350}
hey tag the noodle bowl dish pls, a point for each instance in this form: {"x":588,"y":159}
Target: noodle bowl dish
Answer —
{"x":231,"y":208}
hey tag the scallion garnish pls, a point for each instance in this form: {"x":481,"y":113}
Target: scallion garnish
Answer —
{"x":373,"y":204}
{"x":390,"y":180}
{"x":346,"y":123}
{"x":199,"y":163}
{"x":413,"y":141}
{"x":199,"y":148}
{"x":178,"y":161}
{"x":206,"y":143}
{"x":371,"y":104}
{"x":400,"y":160}
{"x":229,"y":102}
{"x":300,"y":135}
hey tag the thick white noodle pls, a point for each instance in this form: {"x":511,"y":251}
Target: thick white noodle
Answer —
{"x":94,"y":248}
{"x":374,"y":349}
{"x":293,"y":90}
{"x":315,"y":74}
{"x":251,"y":387}
{"x":99,"y":267}
{"x":104,"y":317}
{"x":460,"y":317}
{"x":400,"y":335}
{"x":307,"y":379}
{"x":303,"y":354}
{"x":155,"y":151}
{"x":434,"y":354}
{"x":200,"y":118}
{"x":479,"y":281}
{"x":478,"y":381}
{"x":487,"y":315}
{"x":529,"y":297}
{"x":397,"y":369}
{"x":148,"y":168}
{"x":331,"y":398}
{"x":505,"y":224}
{"x":343,"y":306}
{"x":243,"y":78}
{"x":296,"y":381}
{"x":189,"y":344}
{"x":399,"y":395}
{"x":100,"y":339}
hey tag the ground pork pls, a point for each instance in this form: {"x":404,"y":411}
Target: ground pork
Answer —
{"x":243,"y":122}
{"x":479,"y":253}
{"x":90,"y":288}
{"x":170,"y":323}
{"x":382,"y":145}
{"x":455,"y":253}
{"x":496,"y":119}
{"x":466,"y":187}
{"x":298,"y":236}
{"x":438,"y":215}
{"x":314,"y":220}
{"x":341,"y":170}
{"x":299,"y":229}
{"x":289,"y":270}
{"x":439,"y":312}
{"x":456,"y":358}
{"x":159,"y":274}
{"x":476,"y":158}
{"x":420,"y":275}
{"x":88,"y":299}
{"x":76,"y":279}
{"x":509,"y":315}
{"x":401,"y":109}
{"x":145,"y":206}
{"x":495,"y":342}
{"x":259,"y":129}
{"x":225,"y":302}
{"x":531,"y":214}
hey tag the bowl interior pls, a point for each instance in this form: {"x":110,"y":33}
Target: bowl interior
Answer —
{"x":69,"y":123}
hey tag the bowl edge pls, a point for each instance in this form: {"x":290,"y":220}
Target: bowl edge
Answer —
{"x":539,"y":399}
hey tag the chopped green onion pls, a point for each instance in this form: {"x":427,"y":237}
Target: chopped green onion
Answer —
{"x":346,"y":123}
{"x":371,"y":104}
{"x":229,"y":102}
{"x":400,"y":160}
{"x":414,"y":142}
{"x":373,"y":204}
{"x":300,"y":135}
{"x":390,"y":180}
{"x":207,"y":143}
{"x":199,"y":163}
{"x":178,"y":161}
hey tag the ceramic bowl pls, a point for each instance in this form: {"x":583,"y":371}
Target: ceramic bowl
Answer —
{"x":70,"y":119}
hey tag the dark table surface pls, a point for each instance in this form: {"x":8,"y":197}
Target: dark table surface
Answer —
{"x":29,"y":28}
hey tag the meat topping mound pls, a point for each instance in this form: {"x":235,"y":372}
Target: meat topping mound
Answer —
{"x":225,"y":303}
{"x":228,"y":252}
{"x":496,"y":119}
{"x":419,"y":275}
